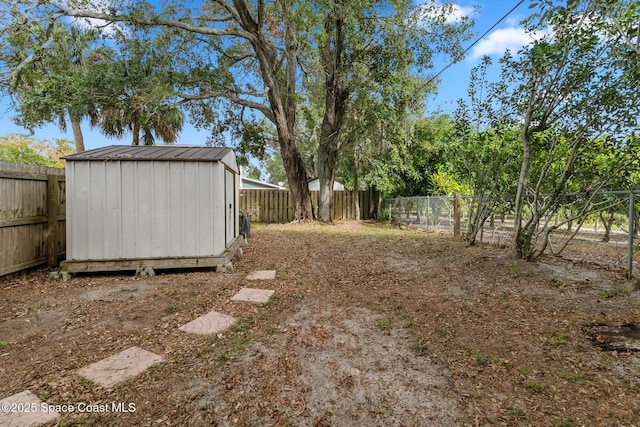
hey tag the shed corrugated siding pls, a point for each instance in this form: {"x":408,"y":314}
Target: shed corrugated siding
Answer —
{"x":151,"y":209}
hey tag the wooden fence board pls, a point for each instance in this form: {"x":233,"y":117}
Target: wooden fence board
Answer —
{"x":32,"y":221}
{"x":276,"y":205}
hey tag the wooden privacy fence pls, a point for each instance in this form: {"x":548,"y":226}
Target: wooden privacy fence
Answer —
{"x":276,"y":205}
{"x":32,"y":216}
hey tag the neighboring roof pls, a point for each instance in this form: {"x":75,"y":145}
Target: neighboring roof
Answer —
{"x":254,"y":184}
{"x":154,"y":152}
{"x":314,"y":184}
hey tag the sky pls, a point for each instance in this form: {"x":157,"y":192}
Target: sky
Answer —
{"x":454,"y":81}
{"x":508,"y":35}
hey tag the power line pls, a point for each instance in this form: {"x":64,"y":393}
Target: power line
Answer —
{"x":473,"y":44}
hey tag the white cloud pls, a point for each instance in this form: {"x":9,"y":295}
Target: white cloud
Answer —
{"x":99,"y":6}
{"x":499,"y":41}
{"x":459,"y":12}
{"x":430,"y":10}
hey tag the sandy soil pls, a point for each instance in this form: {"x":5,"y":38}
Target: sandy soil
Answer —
{"x":370,"y":325}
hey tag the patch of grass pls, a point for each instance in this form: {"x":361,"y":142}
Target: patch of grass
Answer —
{"x":553,"y":338}
{"x":172,"y":292}
{"x":420,"y":348}
{"x":570,"y":376}
{"x":475,"y":355}
{"x":517,"y":412}
{"x":3,"y":345}
{"x":565,"y":422}
{"x":597,"y":321}
{"x":558,"y":285}
{"x":400,"y":311}
{"x":171,"y":309}
{"x":534,"y":387}
{"x":515,"y":271}
{"x":224,"y":356}
{"x":618,"y":291}
{"x":446,"y":332}
{"x":502,"y":363}
{"x":157,"y":374}
{"x":384,"y":324}
{"x":243,"y":341}
{"x":242,"y":325}
{"x":86,"y":382}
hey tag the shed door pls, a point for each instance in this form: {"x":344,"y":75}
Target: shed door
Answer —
{"x":230,"y":205}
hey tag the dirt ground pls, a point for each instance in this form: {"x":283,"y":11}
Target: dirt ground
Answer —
{"x":369,"y":325}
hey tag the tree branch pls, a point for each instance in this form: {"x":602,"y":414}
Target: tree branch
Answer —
{"x":13,"y":76}
{"x":157,"y":21}
{"x":231,"y":97}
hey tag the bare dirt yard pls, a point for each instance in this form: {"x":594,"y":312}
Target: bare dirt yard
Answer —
{"x":370,"y":325}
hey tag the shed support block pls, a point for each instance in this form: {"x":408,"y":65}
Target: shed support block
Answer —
{"x":145,"y":271}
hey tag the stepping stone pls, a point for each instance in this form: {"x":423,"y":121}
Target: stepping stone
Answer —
{"x":120,"y":367}
{"x":209,"y":324}
{"x":262,"y":275}
{"x":253,"y":295}
{"x":25,"y":409}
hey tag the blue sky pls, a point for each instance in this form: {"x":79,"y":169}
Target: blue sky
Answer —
{"x":454,"y":81}
{"x":509,"y":34}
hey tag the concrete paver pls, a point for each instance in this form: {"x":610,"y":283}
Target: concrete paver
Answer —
{"x":119,"y":367}
{"x":25,"y":409}
{"x":253,"y":295}
{"x":211,"y":323}
{"x":261,"y":275}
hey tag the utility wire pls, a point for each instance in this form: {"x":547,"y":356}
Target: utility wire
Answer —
{"x":473,"y":44}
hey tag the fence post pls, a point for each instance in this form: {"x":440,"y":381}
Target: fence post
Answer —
{"x":456,"y":214}
{"x":632,"y":210}
{"x":52,"y":220}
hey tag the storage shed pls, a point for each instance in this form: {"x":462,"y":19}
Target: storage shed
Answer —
{"x":133,"y":207}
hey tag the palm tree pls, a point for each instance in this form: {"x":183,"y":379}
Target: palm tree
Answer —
{"x":52,"y":67}
{"x":140,"y":100}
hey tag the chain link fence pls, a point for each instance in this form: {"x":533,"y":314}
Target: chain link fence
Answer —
{"x":594,"y":229}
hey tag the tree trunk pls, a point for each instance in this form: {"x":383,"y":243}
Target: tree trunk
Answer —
{"x":297,"y":176}
{"x":327,"y":158}
{"x":77,"y":134}
{"x":356,"y":188}
{"x":335,"y":104}
{"x":136,"y":133}
{"x":281,"y":93}
{"x":521,"y":243}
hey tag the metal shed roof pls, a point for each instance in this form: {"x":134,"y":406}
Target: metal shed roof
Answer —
{"x":154,"y":152}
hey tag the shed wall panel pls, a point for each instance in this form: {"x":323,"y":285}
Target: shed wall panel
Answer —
{"x":129,"y":211}
{"x":204,"y":207}
{"x":161,"y":244}
{"x":96,"y":216}
{"x":188,"y":213}
{"x":177,"y":206}
{"x":219,"y":210}
{"x":113,"y":211}
{"x":144,"y":215}
{"x":149,"y":209}
{"x":78,"y":211}
{"x":229,"y":207}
